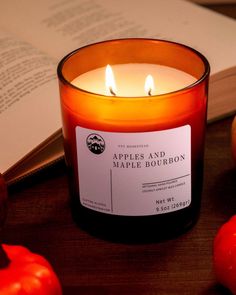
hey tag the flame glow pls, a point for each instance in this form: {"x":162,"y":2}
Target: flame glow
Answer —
{"x":110,"y":81}
{"x":149,"y":85}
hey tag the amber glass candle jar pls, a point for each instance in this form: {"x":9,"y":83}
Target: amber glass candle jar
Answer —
{"x":135,"y":162}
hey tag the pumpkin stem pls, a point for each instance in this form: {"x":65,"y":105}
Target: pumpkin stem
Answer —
{"x":4,"y":259}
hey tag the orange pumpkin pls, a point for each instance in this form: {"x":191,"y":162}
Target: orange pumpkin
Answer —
{"x":23,"y":272}
{"x":224,"y":254}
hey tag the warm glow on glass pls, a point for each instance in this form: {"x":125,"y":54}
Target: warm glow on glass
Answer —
{"x":139,"y":126}
{"x":149,"y":85}
{"x":110,"y":81}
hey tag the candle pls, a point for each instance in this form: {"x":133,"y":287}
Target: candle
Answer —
{"x":130,"y":80}
{"x":134,"y":153}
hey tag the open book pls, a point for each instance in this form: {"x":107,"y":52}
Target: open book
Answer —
{"x":35,"y":35}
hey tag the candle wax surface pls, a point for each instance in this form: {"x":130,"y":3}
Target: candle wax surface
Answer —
{"x":130,"y":79}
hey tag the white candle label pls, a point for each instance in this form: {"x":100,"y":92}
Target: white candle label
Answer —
{"x":134,"y":174}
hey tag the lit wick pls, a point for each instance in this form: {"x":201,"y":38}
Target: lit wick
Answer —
{"x":110,"y":81}
{"x":111,"y":91}
{"x":149,"y":85}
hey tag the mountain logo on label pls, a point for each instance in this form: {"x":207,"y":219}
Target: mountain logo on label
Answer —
{"x":95,"y":143}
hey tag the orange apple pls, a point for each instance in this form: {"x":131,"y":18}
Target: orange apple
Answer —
{"x":233,"y":139}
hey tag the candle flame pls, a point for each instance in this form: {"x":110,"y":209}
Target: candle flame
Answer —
{"x":110,"y":81}
{"x":149,"y":85}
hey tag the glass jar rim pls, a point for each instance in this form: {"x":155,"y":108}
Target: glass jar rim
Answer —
{"x":198,"y":81}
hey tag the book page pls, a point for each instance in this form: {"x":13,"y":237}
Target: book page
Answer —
{"x":50,"y":153}
{"x":59,"y":26}
{"x":213,"y":2}
{"x":29,"y":108}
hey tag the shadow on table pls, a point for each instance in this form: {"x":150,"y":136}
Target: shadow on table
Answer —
{"x":217,"y":289}
{"x":56,"y":170}
{"x":222,"y":193}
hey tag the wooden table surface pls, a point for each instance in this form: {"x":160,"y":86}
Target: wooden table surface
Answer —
{"x":39,"y":217}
